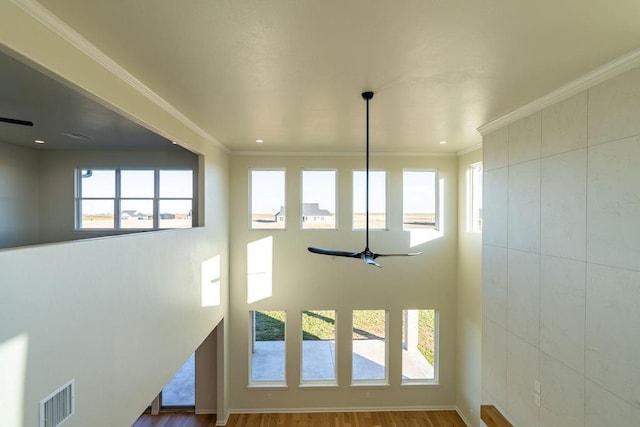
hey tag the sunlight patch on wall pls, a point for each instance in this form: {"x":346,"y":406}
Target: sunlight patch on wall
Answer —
{"x":259,"y":269}
{"x":418,"y":237}
{"x":210,"y":273}
{"x":13,"y":364}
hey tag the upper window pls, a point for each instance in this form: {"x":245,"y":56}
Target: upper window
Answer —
{"x":318,"y":199}
{"x":474,"y":197}
{"x":267,"y":199}
{"x":419,"y":202}
{"x":377,"y":199}
{"x":118,"y":199}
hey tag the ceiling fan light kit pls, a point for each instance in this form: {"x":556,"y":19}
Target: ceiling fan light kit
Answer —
{"x":367,"y":256}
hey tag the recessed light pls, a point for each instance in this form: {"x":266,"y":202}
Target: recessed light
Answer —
{"x":259,"y":141}
{"x":443,"y":142}
{"x":39,"y":141}
{"x":174,"y":143}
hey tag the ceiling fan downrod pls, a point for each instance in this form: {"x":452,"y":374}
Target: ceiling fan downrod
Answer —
{"x":367,"y":256}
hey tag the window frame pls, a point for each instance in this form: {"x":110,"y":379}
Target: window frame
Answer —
{"x":250,"y":198}
{"x":375,"y":382}
{"x":436,"y":195}
{"x":316,"y":383}
{"x":436,"y":352}
{"x":265,"y":384}
{"x":472,"y":186}
{"x":117,"y":199}
{"x":335,"y":199}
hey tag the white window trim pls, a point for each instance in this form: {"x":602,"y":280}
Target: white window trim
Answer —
{"x":117,"y":199}
{"x":335,"y":196}
{"x":250,"y":201}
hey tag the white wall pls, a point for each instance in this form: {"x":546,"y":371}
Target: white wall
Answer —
{"x":117,"y":314}
{"x":561,"y":261}
{"x":19,"y":193}
{"x":469,"y":307}
{"x":302,"y":281}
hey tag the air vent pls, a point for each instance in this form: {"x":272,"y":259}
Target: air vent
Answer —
{"x":58,"y":406}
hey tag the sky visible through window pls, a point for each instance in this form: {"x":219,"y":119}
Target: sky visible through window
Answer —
{"x":419,"y":191}
{"x":267,"y":191}
{"x":320,"y":187}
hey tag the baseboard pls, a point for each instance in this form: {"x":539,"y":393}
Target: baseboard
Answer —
{"x":341,"y":409}
{"x":464,"y":419}
{"x":206,"y":412}
{"x":224,"y":421}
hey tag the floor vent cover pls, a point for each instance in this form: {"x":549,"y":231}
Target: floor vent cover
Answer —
{"x":58,"y":406}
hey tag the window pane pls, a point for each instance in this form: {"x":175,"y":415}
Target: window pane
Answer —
{"x":136,"y":214}
{"x":96,"y":213}
{"x":137,"y":183}
{"x":419,"y":337}
{"x":267,"y":199}
{"x":176,"y":184}
{"x":474,"y":197}
{"x":181,"y":389}
{"x":267,"y":346}
{"x":175,"y":213}
{"x":319,"y":345}
{"x":318,"y":199}
{"x":419,"y":199}
{"x":369,"y":345}
{"x":377,"y":199}
{"x":97,"y":183}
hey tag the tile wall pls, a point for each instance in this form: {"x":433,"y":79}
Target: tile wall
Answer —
{"x":561,"y":261}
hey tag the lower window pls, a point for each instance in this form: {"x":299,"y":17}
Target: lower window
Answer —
{"x":267,"y":346}
{"x":369,"y":360}
{"x":318,"y":346}
{"x":419,"y":345}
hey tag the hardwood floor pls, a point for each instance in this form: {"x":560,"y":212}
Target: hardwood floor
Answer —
{"x":320,"y":419}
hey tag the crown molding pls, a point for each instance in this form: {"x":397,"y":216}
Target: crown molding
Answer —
{"x":71,"y":36}
{"x":607,"y":71}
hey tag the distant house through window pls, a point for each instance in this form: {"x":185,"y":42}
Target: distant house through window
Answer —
{"x":267,"y":199}
{"x":134,"y":199}
{"x":318,"y":199}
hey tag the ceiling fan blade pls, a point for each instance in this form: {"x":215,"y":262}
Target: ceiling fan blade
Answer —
{"x":409,"y":254}
{"x":332,"y":252}
{"x":16,"y":121}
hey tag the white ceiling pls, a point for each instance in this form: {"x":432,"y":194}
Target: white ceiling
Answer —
{"x":291,"y":72}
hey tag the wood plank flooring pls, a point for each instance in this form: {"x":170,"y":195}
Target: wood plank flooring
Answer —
{"x":320,"y":419}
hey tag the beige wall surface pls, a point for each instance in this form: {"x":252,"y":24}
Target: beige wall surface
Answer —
{"x":561,"y":261}
{"x":303,"y":281}
{"x":469,"y":306}
{"x":18,"y":196}
{"x":119,"y":315}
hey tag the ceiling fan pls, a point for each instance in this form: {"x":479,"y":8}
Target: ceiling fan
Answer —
{"x":16,"y":121}
{"x":367,"y":256}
